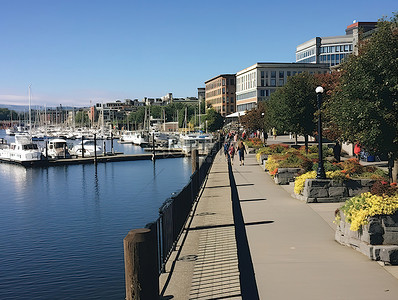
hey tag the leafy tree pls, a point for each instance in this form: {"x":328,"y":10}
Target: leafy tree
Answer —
{"x":136,"y":118}
{"x":365,"y":106}
{"x":254,"y":119}
{"x":292,"y":107}
{"x":82,"y":118}
{"x":5,"y":114}
{"x":215,"y":121}
{"x":330,"y":82}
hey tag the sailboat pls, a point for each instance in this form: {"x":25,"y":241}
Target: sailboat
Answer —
{"x":22,"y":151}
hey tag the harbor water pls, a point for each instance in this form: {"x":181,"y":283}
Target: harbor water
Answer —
{"x":62,"y":228}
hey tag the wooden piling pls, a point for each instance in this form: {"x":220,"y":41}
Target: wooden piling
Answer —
{"x":95,"y":148}
{"x":195,"y":160}
{"x":140,"y":261}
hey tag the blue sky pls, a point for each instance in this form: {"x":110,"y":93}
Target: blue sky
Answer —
{"x":76,"y":51}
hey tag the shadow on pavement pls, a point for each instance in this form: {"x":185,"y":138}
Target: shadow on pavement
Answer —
{"x":249,"y":200}
{"x":247,"y":278}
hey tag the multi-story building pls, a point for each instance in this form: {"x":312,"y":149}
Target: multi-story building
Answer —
{"x":220,"y":93}
{"x":201,"y":94}
{"x":332,"y":50}
{"x":257,"y":82}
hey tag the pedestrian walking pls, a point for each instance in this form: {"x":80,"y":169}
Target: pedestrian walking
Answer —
{"x":337,"y":151}
{"x":357,"y":151}
{"x":274,"y":132}
{"x":232,"y":153}
{"x":226,"y":148}
{"x":241,"y":152}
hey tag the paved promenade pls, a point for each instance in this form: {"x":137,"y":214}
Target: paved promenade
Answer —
{"x":249,"y":239}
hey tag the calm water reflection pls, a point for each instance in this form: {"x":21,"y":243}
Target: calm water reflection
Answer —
{"x":62,"y":228}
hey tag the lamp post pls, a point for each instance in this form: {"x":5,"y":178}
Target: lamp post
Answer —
{"x":321,"y":170}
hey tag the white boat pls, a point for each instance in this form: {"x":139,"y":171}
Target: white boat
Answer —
{"x":22,"y":151}
{"x":10,"y":131}
{"x":135,"y":137}
{"x":202,"y":142}
{"x":88,"y":148}
{"x":57,"y":148}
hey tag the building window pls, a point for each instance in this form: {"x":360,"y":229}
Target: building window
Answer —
{"x":262,"y":82}
{"x":273,"y":78}
{"x":262,"y":74}
{"x":288,"y":73}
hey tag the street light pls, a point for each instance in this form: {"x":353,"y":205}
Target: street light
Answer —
{"x":321,"y":170}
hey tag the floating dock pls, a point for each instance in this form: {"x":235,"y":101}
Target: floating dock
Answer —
{"x":100,"y":159}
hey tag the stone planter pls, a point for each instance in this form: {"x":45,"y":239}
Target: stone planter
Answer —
{"x":286,"y":175}
{"x":378,"y":239}
{"x":263,"y":157}
{"x":327,"y":190}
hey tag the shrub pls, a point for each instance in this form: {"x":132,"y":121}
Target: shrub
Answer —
{"x":254,"y":143}
{"x":383,"y":188}
{"x":328,"y":166}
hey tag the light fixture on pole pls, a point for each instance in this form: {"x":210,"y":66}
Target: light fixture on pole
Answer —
{"x":321,"y":170}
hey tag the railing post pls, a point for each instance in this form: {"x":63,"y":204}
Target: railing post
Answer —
{"x":140,"y":261}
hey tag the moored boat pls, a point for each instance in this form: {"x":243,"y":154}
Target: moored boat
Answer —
{"x":22,"y":151}
{"x":86,"y":149}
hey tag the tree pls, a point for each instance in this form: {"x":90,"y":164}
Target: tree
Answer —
{"x":292,"y":107}
{"x":330,"y":82}
{"x":254,"y":119}
{"x":365,"y":106}
{"x":5,"y":114}
{"x":214,"y":120}
{"x":82,"y":118}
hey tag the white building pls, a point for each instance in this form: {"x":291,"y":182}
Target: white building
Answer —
{"x":332,"y":50}
{"x":257,"y":82}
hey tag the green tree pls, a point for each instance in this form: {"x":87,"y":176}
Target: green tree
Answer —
{"x":365,"y":106}
{"x":214,"y":120}
{"x":292,"y":107}
{"x":5,"y":114}
{"x":82,"y":118}
{"x":137,"y":118}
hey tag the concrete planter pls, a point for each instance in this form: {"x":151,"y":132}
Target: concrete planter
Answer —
{"x":263,"y":157}
{"x":378,"y":239}
{"x":327,"y":190}
{"x":286,"y":175}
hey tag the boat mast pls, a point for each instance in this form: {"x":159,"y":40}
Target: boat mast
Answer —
{"x":30,"y":114}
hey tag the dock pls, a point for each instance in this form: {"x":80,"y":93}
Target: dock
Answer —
{"x":116,"y":157}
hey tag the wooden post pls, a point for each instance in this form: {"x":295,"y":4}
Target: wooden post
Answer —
{"x":95,"y":148}
{"x":153,"y":146}
{"x":140,"y":261}
{"x":195,"y":160}
{"x":82,"y":147}
{"x":113,"y":152}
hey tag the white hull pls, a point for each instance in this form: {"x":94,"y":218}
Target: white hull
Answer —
{"x":22,"y":151}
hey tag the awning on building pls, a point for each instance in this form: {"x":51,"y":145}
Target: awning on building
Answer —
{"x":236,"y":114}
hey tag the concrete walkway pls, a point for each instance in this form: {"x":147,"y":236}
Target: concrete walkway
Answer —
{"x":249,"y":239}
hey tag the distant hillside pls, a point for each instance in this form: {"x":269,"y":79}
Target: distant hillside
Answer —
{"x":22,"y":108}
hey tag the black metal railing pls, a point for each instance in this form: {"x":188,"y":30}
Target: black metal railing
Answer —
{"x":174,"y":212}
{"x":143,"y":265}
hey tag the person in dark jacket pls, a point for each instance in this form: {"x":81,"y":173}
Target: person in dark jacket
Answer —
{"x":337,"y":151}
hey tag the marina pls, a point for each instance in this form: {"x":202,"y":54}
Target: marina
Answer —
{"x":62,"y":227}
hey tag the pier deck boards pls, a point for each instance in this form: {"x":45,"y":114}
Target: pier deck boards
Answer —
{"x":100,"y":159}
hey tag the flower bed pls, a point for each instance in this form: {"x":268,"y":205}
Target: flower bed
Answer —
{"x":369,"y":223}
{"x":347,"y":170}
